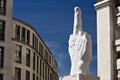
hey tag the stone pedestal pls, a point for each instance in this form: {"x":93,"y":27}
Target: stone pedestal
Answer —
{"x":79,"y":77}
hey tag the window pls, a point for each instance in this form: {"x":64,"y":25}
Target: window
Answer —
{"x":1,"y":56}
{"x":17,"y":74}
{"x":46,"y":55}
{"x":2,"y":30}
{"x":118,"y":55}
{"x":36,"y":43}
{"x":36,"y":78}
{"x":23,"y":34}
{"x":1,"y":76}
{"x":27,"y":75}
{"x":40,"y":67}
{"x":2,"y":6}
{"x":49,"y":59}
{"x":17,"y":32}
{"x":117,"y":3}
{"x":33,"y":40}
{"x":18,"y":54}
{"x":34,"y":61}
{"x":28,"y":37}
{"x":41,"y":49}
{"x":43,"y":70}
{"x":33,"y":76}
{"x":37,"y":63}
{"x":46,"y":72}
{"x":51,"y":76}
{"x":28,"y":57}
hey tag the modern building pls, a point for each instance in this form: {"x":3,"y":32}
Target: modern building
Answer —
{"x":23,"y":54}
{"x":108,"y":39}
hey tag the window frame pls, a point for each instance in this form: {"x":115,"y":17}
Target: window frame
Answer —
{"x":17,"y":32}
{"x":27,"y":75}
{"x":23,"y":34}
{"x":17,"y":71}
{"x":28,"y":36}
{"x":1,"y":76}
{"x":3,"y":8}
{"x":2,"y":56}
{"x":18,"y":54}
{"x":2,"y":31}
{"x":117,"y":3}
{"x":28,"y":55}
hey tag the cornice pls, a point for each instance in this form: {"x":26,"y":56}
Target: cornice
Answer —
{"x":103,"y":4}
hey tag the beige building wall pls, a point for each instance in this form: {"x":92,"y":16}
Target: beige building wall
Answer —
{"x":7,"y":17}
{"x":9,"y":43}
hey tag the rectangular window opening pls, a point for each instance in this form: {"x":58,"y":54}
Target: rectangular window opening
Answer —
{"x":2,"y":7}
{"x":18,"y":52}
{"x":17,"y":74}
{"x":2,"y":30}
{"x":1,"y":56}
{"x":28,"y":57}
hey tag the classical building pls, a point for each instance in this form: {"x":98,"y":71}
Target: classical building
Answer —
{"x":23,"y":54}
{"x":108,"y":39}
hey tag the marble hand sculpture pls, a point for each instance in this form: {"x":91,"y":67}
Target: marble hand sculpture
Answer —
{"x":80,"y":46}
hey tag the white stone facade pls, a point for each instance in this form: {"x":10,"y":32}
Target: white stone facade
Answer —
{"x":107,"y":39}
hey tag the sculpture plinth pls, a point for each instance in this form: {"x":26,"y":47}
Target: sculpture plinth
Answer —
{"x":80,"y":77}
{"x":80,"y":51}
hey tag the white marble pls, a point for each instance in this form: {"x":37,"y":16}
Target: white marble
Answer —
{"x":80,"y":48}
{"x":79,"y":77}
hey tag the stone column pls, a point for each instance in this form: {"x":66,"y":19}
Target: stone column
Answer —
{"x":105,"y":39}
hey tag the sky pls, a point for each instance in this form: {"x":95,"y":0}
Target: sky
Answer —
{"x":53,"y":20}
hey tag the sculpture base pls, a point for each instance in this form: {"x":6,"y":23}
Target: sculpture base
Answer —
{"x":79,"y":77}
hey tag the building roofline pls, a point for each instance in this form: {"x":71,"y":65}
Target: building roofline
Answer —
{"x":30,"y":26}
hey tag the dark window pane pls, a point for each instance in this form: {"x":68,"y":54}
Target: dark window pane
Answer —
{"x":37,"y":63}
{"x":28,"y":57}
{"x":1,"y":56}
{"x":34,"y":61}
{"x":36,"y":78}
{"x":40,"y":67}
{"x":18,"y":52}
{"x":28,"y":36}
{"x":1,"y":76}
{"x":27,"y":75}
{"x":2,"y":30}
{"x":41,"y":49}
{"x":2,"y":6}
{"x":118,"y":55}
{"x":17,"y":32}
{"x":36,"y":44}
{"x":33,"y":41}
{"x":17,"y":74}
{"x":117,"y":3}
{"x":46,"y":72}
{"x":33,"y":76}
{"x":43,"y":70}
{"x":23,"y":34}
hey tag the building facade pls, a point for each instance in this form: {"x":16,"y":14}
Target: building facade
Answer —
{"x":23,"y":54}
{"x":108,"y":39}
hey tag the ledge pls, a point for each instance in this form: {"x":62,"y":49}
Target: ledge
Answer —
{"x":103,"y":3}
